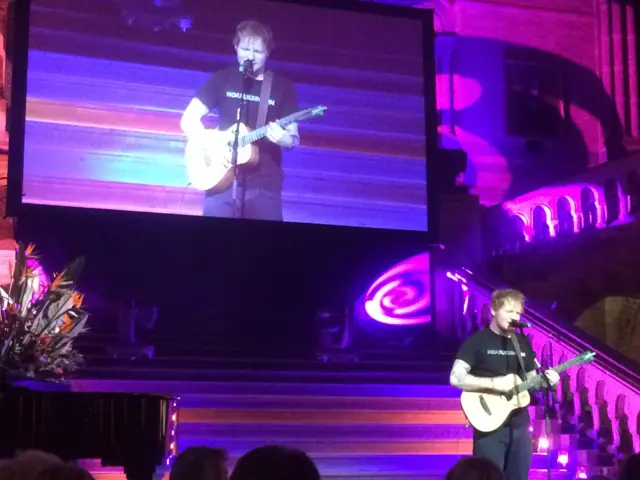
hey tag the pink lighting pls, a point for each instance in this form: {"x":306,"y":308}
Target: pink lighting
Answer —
{"x":563,"y":459}
{"x":543,"y":445}
{"x":466,"y":92}
{"x":172,"y":437}
{"x":492,"y":177}
{"x":581,"y":474}
{"x":402,"y":295}
{"x":547,"y":198}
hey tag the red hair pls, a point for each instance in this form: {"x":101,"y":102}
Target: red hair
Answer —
{"x":254,"y":29}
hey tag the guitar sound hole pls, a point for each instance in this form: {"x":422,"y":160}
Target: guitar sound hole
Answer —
{"x":485,"y":407}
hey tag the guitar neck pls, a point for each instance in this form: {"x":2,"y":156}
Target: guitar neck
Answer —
{"x":261,"y":132}
{"x":538,"y":380}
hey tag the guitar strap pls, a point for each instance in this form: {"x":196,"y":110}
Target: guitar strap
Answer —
{"x":516,"y":347}
{"x":265,"y":93}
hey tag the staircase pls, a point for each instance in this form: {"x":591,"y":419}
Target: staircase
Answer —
{"x":374,"y":418}
{"x":363,"y":431}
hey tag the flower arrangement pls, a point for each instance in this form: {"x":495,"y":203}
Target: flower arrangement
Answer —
{"x":38,"y":323}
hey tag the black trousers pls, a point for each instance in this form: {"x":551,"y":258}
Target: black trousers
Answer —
{"x":259,"y":204}
{"x":511,"y":448}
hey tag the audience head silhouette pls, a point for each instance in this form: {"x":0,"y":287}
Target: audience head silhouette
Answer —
{"x":64,"y":472}
{"x":475,"y":468}
{"x":274,"y":462}
{"x":8,"y":471}
{"x":200,"y":463}
{"x":30,"y":463}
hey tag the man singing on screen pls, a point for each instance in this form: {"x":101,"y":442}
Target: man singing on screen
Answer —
{"x":260,"y":185}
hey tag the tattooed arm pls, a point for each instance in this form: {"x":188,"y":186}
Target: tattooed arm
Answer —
{"x":461,"y":378}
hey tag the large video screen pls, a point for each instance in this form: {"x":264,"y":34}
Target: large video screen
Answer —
{"x":243,"y":109}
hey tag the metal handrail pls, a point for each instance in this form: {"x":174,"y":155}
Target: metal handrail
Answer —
{"x":608,"y":358}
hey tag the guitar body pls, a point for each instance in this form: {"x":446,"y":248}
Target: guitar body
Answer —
{"x":208,"y":159}
{"x":487,"y":411}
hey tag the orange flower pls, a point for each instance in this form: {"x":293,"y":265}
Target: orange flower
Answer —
{"x":76,"y":298}
{"x":57,"y":281}
{"x":30,"y":249}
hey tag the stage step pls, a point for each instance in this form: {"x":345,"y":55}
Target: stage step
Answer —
{"x":379,"y":431}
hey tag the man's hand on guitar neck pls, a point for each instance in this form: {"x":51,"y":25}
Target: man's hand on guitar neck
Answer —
{"x":552,"y":376}
{"x":280,"y":136}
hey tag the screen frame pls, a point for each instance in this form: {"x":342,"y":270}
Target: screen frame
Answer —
{"x":18,"y":54}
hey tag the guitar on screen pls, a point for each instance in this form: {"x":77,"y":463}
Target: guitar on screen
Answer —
{"x":208,"y":159}
{"x":487,"y":411}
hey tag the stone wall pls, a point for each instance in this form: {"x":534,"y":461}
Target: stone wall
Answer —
{"x":574,"y":60}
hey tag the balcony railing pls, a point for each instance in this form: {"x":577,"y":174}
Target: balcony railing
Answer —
{"x":603,"y":197}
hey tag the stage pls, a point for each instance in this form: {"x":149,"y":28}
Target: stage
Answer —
{"x":351,"y":428}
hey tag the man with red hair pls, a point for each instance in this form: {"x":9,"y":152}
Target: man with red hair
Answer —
{"x":260,"y":186}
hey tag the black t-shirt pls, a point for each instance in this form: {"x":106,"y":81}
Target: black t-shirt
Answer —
{"x":222,"y":92}
{"x":493,"y":355}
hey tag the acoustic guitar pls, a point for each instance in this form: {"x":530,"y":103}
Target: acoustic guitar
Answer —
{"x":208,"y":159}
{"x":487,"y":411}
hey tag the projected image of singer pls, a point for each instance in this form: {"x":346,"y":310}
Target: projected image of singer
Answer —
{"x":235,"y":94}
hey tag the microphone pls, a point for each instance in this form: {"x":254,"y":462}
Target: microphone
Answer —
{"x":520,"y":324}
{"x":247,"y":67}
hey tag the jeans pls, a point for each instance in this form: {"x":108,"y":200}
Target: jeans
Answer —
{"x":259,"y":204}
{"x":511,"y":448}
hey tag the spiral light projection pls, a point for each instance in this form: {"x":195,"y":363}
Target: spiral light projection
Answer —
{"x":402,"y":295}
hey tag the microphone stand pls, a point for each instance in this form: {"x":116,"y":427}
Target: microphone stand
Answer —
{"x":550,"y":400}
{"x":238,"y":205}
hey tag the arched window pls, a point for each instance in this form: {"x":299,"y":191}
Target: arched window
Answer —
{"x":541,"y":228}
{"x":589,"y":209}
{"x":566,"y":219}
{"x":612,"y":199}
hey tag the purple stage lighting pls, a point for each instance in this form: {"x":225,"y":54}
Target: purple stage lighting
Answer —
{"x":402,"y":295}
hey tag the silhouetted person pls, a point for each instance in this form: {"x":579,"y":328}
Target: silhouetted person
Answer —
{"x":274,"y":462}
{"x":30,"y":463}
{"x":200,"y":463}
{"x":64,"y":472}
{"x":475,"y":468}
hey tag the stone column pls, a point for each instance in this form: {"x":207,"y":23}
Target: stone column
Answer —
{"x":618,"y":61}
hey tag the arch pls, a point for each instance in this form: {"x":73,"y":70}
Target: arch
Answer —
{"x":612,"y":200}
{"x":581,"y":379}
{"x":625,"y":441}
{"x":600,"y":392}
{"x":545,"y":355}
{"x":589,"y":208}
{"x":566,"y":217}
{"x":541,"y":220}
{"x":632,"y":184}
{"x":620,"y":408}
{"x":517,"y":232}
